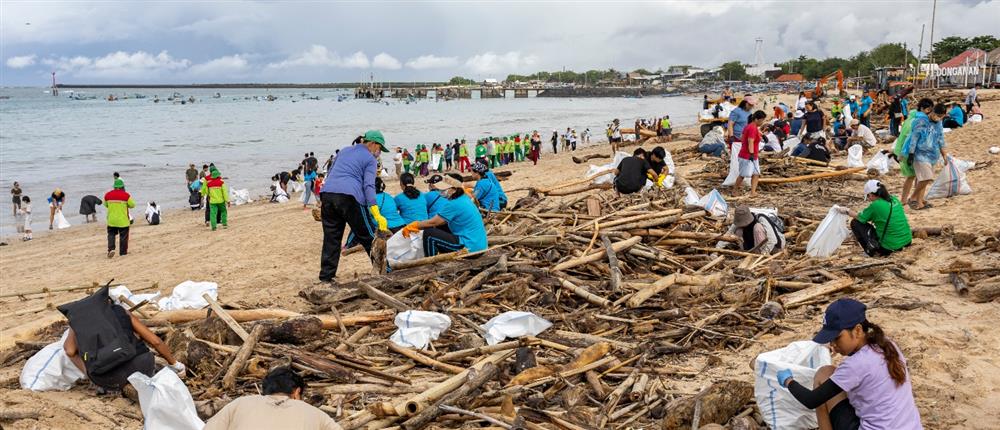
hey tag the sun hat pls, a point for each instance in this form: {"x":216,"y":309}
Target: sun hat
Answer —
{"x":871,"y":187}
{"x":434,"y":179}
{"x":840,"y":315}
{"x":742,"y":217}
{"x":376,"y":136}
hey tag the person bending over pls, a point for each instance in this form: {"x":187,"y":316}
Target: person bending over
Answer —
{"x":459,"y":215}
{"x":279,"y":406}
{"x":871,"y":387}
{"x":881,"y":228}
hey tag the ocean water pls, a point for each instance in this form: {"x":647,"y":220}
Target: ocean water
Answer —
{"x":48,"y":142}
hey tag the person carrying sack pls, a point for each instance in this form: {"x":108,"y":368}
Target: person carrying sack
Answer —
{"x":348,"y":198}
{"x":108,"y":343}
{"x":881,"y":228}
{"x":118,"y":202}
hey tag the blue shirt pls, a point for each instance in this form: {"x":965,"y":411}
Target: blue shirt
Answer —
{"x":796,"y":125}
{"x":866,"y":103}
{"x":854,"y":109}
{"x":739,"y":119}
{"x":435,"y":201}
{"x":958,"y":115}
{"x":465,"y":222}
{"x":353,"y":173}
{"x":412,"y":209}
{"x":503,"y":195}
{"x":905,"y":106}
{"x":309,"y":176}
{"x":487,"y":195}
{"x":387,"y":207}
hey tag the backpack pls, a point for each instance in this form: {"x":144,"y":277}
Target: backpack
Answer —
{"x":155,"y":219}
{"x":777,"y":226}
{"x":102,"y":341}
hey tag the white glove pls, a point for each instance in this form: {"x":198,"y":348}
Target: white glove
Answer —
{"x":178,"y":368}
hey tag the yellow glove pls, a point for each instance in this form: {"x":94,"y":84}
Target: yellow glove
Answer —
{"x":659,"y":180}
{"x":383,"y":225}
{"x":411,"y":228}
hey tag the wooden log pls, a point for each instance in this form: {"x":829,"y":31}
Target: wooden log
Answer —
{"x":809,"y":161}
{"x":640,"y":217}
{"x":593,"y":206}
{"x":391,"y":390}
{"x":329,"y":322}
{"x":575,"y":182}
{"x":639,"y":388}
{"x":577,"y":190}
{"x":800,"y":297}
{"x":615,"y":278}
{"x":474,"y":380}
{"x":354,"y":338}
{"x":587,"y":339}
{"x":28,"y":330}
{"x":719,"y":403}
{"x":793,"y":285}
{"x":584,"y":293}
{"x":327,"y":367}
{"x":597,"y":255}
{"x":585,"y":158}
{"x":542,"y":241}
{"x":814,"y":176}
{"x":489,"y":349}
{"x":646,"y":223}
{"x":224,"y":316}
{"x":425,"y":360}
{"x":594,"y":379}
{"x":382,"y":297}
{"x":678,"y":234}
{"x":665,"y":282}
{"x":984,"y":293}
{"x":242,"y":355}
{"x":433,"y":259}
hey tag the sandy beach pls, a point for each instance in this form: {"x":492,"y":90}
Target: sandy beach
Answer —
{"x":271,"y":252}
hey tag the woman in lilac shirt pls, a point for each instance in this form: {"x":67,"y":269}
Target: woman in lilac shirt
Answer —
{"x":870,"y":390}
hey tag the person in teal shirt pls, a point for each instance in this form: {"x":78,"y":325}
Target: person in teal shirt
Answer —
{"x":411,"y":203}
{"x":955,"y":118}
{"x":387,"y":207}
{"x":487,"y":191}
{"x":460,"y":215}
{"x":864,"y":115}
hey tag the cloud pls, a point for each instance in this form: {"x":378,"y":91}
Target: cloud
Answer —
{"x":226,"y":65}
{"x":319,"y":55}
{"x":120,"y":64}
{"x":431,"y":62}
{"x":386,"y":61}
{"x":21,"y":61}
{"x":490,"y":62}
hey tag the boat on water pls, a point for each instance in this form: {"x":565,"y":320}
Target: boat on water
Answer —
{"x":138,"y":96}
{"x":81,"y":96}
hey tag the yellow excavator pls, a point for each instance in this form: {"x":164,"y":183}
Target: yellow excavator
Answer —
{"x":820,"y":92}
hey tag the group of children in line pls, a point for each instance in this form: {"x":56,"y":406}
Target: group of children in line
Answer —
{"x":492,"y":151}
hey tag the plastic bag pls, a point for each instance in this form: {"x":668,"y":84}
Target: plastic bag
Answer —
{"x":165,"y":401}
{"x":610,"y":177}
{"x":854,"y":154}
{"x":829,"y":235}
{"x":714,"y":204}
{"x":240,"y":197}
{"x":188,"y":295}
{"x":399,"y":248}
{"x":418,"y":328}
{"x":951,"y":181}
{"x":879,"y":162}
{"x":513,"y":324}
{"x":50,"y":369}
{"x":777,"y":406}
{"x":791,"y":142}
{"x":691,"y":197}
{"x":60,"y":221}
{"x":734,"y":165}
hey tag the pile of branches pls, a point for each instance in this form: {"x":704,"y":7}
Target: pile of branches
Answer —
{"x":635,"y":289}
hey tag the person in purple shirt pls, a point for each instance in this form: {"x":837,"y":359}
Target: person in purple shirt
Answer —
{"x":870,"y":390}
{"x":348,"y":198}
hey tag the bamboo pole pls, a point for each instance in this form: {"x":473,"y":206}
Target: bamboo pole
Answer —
{"x":242,"y":355}
{"x":597,"y":255}
{"x":824,"y":175}
{"x":584,"y":293}
{"x":800,"y":297}
{"x":425,"y":360}
{"x":329,"y":321}
{"x":576,"y":182}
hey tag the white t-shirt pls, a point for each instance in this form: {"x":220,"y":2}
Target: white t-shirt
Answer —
{"x":398,"y":158}
{"x":866,"y":134}
{"x":801,"y":104}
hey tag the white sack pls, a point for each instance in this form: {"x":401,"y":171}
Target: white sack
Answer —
{"x":165,"y":401}
{"x":513,"y":324}
{"x":50,"y":369}
{"x":714,"y":204}
{"x":734,"y":165}
{"x":610,"y":177}
{"x":60,"y":221}
{"x":829,"y":235}
{"x":399,"y":248}
{"x":791,"y":142}
{"x":879,"y":162}
{"x":187,"y":295}
{"x":951,"y":181}
{"x":777,"y":406}
{"x":418,"y":328}
{"x":122,"y":291}
{"x":240,"y":197}
{"x":691,"y":196}
{"x":854,"y":154}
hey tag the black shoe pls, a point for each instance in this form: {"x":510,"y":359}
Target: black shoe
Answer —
{"x":325,"y":280}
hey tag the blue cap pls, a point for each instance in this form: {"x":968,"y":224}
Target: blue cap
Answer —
{"x":840,"y":315}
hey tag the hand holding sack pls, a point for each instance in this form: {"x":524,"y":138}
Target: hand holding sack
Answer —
{"x":411,"y":228}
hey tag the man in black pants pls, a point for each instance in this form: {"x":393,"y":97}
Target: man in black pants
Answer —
{"x":348,"y":198}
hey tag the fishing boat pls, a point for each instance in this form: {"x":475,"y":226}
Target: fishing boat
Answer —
{"x":82,"y":96}
{"x":138,"y":96}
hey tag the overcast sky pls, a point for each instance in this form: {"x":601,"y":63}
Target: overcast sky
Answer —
{"x":201,"y":42}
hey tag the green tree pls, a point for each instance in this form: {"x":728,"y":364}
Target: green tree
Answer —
{"x":986,"y":43}
{"x":642,"y":72}
{"x":458,"y":80}
{"x":949,"y":47}
{"x":733,"y":71}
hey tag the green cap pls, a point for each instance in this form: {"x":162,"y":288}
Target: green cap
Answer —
{"x":119,"y":183}
{"x":376,"y":136}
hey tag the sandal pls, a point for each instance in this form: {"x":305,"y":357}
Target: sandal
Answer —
{"x":912,"y":204}
{"x":925,"y":206}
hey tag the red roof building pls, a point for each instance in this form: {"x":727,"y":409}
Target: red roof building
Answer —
{"x":790,"y":77}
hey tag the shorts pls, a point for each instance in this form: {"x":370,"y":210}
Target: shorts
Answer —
{"x":615,"y":139}
{"x":117,"y":378}
{"x":749,"y":168}
{"x":924,"y":171}
{"x":906,"y":170}
{"x":844,"y":417}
